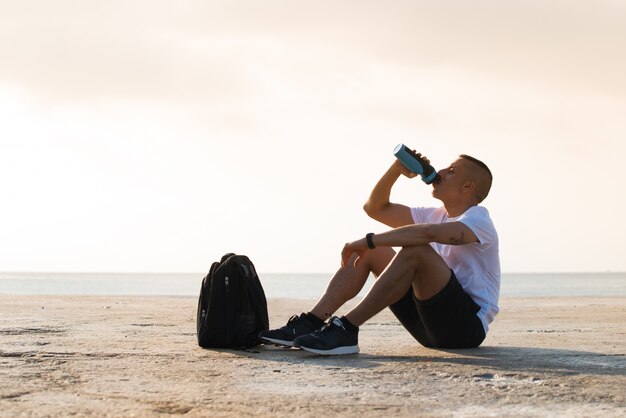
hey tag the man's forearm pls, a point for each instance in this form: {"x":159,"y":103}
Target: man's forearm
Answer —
{"x":449,"y":233}
{"x":405,"y":236}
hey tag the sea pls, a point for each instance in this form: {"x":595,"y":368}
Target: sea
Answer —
{"x":285,"y":285}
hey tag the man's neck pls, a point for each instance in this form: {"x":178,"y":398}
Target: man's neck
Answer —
{"x":455,"y":210}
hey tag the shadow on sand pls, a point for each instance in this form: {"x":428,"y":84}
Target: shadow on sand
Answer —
{"x":506,"y":359}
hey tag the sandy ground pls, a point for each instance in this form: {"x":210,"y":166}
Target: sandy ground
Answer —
{"x":138,"y":356}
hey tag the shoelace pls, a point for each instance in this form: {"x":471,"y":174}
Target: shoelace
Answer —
{"x":293,"y":319}
{"x":290,"y":327}
{"x":334,"y":321}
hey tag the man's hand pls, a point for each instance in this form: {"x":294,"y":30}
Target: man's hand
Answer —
{"x":359,"y":247}
{"x":397,"y":165}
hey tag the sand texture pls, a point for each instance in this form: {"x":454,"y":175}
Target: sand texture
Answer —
{"x":138,"y":356}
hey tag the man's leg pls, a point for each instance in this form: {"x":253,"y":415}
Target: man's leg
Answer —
{"x":349,"y":280}
{"x":447,"y":315}
{"x":420,"y":267}
{"x":344,"y":285}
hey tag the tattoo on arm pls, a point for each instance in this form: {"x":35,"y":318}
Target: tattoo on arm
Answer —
{"x":458,"y":241}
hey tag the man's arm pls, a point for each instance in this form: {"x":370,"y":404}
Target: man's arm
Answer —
{"x":379,"y":207}
{"x":450,"y":233}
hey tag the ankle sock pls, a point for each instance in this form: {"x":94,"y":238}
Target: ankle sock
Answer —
{"x":314,"y":319}
{"x":349,"y":326}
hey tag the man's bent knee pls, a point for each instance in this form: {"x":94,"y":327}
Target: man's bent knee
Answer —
{"x":378,"y":259}
{"x":417,"y":253}
{"x":431,"y":271}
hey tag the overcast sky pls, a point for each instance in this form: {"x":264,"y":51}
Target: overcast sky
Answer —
{"x":154,"y":136}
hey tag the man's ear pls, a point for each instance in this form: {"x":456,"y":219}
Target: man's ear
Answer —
{"x":469,"y":187}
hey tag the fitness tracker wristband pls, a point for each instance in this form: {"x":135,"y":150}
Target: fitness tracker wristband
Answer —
{"x":370,"y":242}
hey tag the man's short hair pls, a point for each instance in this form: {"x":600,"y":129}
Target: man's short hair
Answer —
{"x":483,"y":188}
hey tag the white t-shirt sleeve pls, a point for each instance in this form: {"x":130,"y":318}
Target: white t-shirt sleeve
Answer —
{"x":477,"y":219}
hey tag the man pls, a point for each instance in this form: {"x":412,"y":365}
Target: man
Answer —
{"x":442,"y":285}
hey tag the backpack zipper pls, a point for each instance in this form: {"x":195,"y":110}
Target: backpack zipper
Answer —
{"x":230,"y":318}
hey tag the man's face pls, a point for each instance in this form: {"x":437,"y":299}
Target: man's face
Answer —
{"x":451,"y":181}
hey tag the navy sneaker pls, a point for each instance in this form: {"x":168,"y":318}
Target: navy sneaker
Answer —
{"x":296,"y":326}
{"x":334,"y":338}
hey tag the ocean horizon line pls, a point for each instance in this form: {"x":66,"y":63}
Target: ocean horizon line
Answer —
{"x":291,"y":285}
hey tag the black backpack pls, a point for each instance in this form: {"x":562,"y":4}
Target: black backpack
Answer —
{"x":232,"y":308}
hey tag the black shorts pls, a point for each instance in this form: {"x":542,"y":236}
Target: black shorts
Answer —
{"x":447,"y":320}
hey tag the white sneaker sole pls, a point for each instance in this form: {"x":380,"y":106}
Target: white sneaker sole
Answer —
{"x":277,"y":341}
{"x":351,"y":349}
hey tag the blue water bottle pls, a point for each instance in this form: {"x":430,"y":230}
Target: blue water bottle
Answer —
{"x":414,"y":163}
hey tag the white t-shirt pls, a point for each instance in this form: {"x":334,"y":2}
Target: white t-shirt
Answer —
{"x":476,"y":265}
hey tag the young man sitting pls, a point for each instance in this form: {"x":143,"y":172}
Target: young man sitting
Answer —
{"x":442,"y":285}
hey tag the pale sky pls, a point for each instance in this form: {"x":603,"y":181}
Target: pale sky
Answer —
{"x":154,"y":136}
